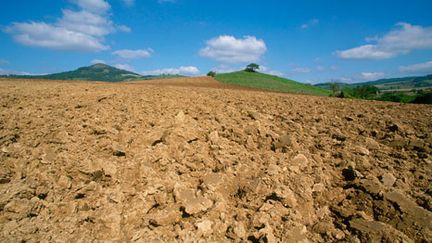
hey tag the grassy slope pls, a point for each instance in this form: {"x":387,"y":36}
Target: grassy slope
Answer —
{"x":268,"y":82}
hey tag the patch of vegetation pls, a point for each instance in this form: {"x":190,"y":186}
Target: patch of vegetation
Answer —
{"x":373,"y":93}
{"x":253,"y":67}
{"x":211,"y":74}
{"x":423,"y":97}
{"x":269,"y":82}
{"x":397,"y":97}
{"x":403,"y":90}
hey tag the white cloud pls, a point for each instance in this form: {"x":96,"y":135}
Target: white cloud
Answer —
{"x":131,"y":54}
{"x":3,"y":61}
{"x":95,"y":6}
{"x":40,"y":34}
{"x":419,"y":67}
{"x":129,"y":3}
{"x":82,"y":30}
{"x":228,"y":49}
{"x":403,"y":39}
{"x":301,"y":70}
{"x":183,"y":70}
{"x":126,"y":67}
{"x":371,"y":75}
{"x":365,"y":52}
{"x":86,"y":23}
{"x":310,"y":23}
{"x":96,"y":61}
{"x":267,"y":70}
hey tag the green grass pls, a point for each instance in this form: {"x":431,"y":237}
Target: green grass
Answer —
{"x":269,"y":82}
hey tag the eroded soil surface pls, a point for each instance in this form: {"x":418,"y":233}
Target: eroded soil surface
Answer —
{"x":197,"y":161}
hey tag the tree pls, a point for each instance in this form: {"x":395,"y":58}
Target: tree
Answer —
{"x":211,"y":74}
{"x":252,"y":67}
{"x":334,"y":87}
{"x":365,"y":91}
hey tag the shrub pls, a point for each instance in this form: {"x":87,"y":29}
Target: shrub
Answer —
{"x":211,"y":74}
{"x":252,"y":67}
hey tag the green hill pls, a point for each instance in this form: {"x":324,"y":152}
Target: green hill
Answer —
{"x":401,"y":83}
{"x":389,"y":83}
{"x":96,"y":72}
{"x":268,"y":82}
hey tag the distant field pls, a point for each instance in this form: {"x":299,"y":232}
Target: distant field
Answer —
{"x":269,"y":82}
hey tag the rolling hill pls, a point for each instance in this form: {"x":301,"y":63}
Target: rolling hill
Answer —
{"x":390,"y":83}
{"x":96,"y":72}
{"x":268,"y":82}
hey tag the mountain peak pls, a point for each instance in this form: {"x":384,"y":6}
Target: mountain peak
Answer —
{"x":99,"y":65}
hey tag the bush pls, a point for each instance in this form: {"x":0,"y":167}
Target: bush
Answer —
{"x":365,"y":92}
{"x":252,"y":67}
{"x":423,"y":98}
{"x":211,"y":74}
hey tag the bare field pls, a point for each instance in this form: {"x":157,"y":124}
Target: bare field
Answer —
{"x":191,"y":160}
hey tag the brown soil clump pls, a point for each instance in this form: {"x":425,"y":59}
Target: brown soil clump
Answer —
{"x":192,"y":160}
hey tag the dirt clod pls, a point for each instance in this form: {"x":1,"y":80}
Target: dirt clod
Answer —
{"x":193,"y":160}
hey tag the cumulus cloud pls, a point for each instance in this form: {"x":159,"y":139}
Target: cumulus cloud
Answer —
{"x":96,"y":61}
{"x":82,"y":30}
{"x":310,"y":23}
{"x":425,"y":67}
{"x":403,"y":39}
{"x":95,"y":6}
{"x":132,"y":54}
{"x":228,"y":49}
{"x":183,"y":70}
{"x":52,"y":37}
{"x":371,"y":75}
{"x":366,"y":52}
{"x":267,"y":70}
{"x":85,"y":22}
{"x":126,"y":67}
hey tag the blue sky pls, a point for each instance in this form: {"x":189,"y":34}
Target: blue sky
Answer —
{"x":309,"y":41}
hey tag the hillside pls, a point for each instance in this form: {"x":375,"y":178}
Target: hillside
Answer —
{"x":268,"y":82}
{"x":389,"y":83}
{"x":96,"y":72}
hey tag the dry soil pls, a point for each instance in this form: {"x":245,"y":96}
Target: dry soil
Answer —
{"x":191,"y":160}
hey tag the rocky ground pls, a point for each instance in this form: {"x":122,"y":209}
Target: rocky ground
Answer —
{"x":198,"y":162}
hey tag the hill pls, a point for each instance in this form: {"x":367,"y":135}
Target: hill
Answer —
{"x":404,"y":90}
{"x":96,"y":72}
{"x":268,"y":82}
{"x":415,"y":82}
{"x":401,"y":83}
